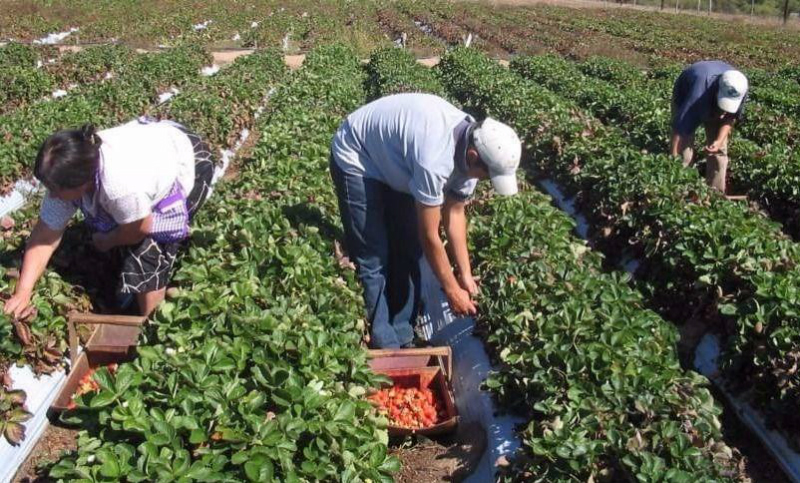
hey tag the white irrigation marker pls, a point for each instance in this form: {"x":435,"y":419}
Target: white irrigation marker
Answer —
{"x":166,"y":96}
{"x":55,"y":38}
{"x":209,"y":70}
{"x":706,"y":362}
{"x":228,"y":154}
{"x":202,"y":26}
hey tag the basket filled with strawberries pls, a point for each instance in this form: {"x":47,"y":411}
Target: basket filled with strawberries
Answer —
{"x":419,"y":399}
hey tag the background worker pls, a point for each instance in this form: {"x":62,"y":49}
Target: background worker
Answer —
{"x":137,"y":185}
{"x":404,"y":165}
{"x":711,"y":93}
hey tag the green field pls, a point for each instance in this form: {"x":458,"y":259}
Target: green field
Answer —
{"x":254,"y":369}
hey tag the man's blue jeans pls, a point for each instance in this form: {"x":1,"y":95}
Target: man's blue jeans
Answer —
{"x":380,"y":227}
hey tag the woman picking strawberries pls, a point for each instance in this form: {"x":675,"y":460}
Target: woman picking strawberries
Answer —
{"x":137,"y":185}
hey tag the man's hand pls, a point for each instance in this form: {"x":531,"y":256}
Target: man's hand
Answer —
{"x":19,"y":305}
{"x":468,"y":283}
{"x":714,"y":147}
{"x":460,"y":302}
{"x":102,"y":242}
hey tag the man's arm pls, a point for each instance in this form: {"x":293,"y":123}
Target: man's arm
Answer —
{"x":675,"y":144}
{"x":455,"y":226}
{"x":722,"y":136}
{"x":430,"y":218}
{"x":123,"y":235}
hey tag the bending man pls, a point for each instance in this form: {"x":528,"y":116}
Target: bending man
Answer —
{"x":403,"y":165}
{"x":711,"y":93}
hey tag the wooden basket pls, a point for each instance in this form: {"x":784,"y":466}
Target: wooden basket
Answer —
{"x":429,"y":367}
{"x":113,"y":340}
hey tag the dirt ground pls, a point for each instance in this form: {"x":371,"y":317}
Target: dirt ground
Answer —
{"x":53,"y":443}
{"x":437,"y":460}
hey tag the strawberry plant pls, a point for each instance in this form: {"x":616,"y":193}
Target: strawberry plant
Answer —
{"x":13,"y":415}
{"x":16,"y":54}
{"x":29,"y":84}
{"x":766,"y":174}
{"x":564,"y":333}
{"x":393,"y":71}
{"x":22,"y":85}
{"x":135,"y":86}
{"x":41,"y":342}
{"x":222,"y":105}
{"x":730,"y":267}
{"x":241,"y":377}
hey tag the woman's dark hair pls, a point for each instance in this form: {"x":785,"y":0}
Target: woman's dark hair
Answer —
{"x":68,"y":159}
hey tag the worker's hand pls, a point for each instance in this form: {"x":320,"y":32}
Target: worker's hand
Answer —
{"x":101,"y":242}
{"x":19,"y":305}
{"x":713,"y":148}
{"x":469,"y":284}
{"x":460,"y":302}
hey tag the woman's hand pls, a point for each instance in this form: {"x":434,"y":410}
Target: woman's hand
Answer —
{"x":19,"y":305}
{"x":41,"y":245}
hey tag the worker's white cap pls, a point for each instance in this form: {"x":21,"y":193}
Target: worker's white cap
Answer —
{"x":500,"y":149}
{"x":732,"y":89}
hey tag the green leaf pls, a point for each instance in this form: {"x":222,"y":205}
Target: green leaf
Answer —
{"x":102,"y":399}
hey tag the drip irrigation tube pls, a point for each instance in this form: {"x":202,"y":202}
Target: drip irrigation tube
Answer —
{"x":471,"y":367}
{"x":706,"y":357}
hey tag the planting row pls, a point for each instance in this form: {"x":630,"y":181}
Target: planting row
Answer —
{"x":28,"y":84}
{"x":771,"y":112}
{"x":16,"y":54}
{"x":595,"y":372}
{"x":222,"y":106}
{"x":730,"y":269}
{"x":395,"y":71}
{"x":296,"y":26}
{"x":135,"y":86}
{"x":41,"y":342}
{"x":255,"y":371}
{"x":767,"y":174}
{"x":646,"y":37}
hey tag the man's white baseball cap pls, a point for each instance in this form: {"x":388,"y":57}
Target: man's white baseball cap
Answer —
{"x":500,"y":149}
{"x":732,"y":89}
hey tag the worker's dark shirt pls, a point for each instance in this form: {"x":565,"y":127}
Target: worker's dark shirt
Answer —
{"x":694,"y":95}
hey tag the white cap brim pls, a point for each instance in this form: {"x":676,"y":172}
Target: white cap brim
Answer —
{"x":730,"y":104}
{"x":505,"y":184}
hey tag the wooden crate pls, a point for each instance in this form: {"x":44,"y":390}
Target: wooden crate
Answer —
{"x":429,"y":367}
{"x":113,"y":340}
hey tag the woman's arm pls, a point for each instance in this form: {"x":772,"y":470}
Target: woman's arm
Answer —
{"x":41,"y":245}
{"x":123,"y":235}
